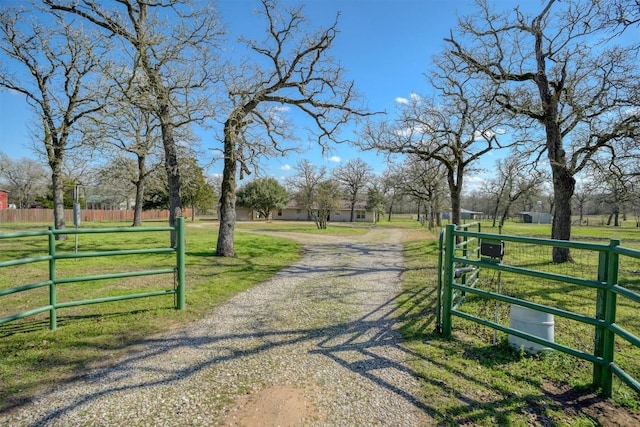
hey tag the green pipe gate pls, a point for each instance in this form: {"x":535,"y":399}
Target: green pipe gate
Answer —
{"x":53,"y":281}
{"x":465,"y":253}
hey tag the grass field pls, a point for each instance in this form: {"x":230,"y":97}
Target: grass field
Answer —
{"x":468,"y":379}
{"x":31,"y":356}
{"x":478,"y":382}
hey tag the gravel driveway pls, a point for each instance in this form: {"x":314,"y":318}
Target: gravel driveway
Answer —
{"x":316,"y":345}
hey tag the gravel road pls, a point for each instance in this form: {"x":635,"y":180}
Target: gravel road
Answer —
{"x":314,"y":346}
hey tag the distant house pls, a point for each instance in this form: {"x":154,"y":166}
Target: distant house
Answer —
{"x":464,"y":214}
{"x":4,"y":199}
{"x":246,"y":214}
{"x":291,"y":212}
{"x":535,"y":217}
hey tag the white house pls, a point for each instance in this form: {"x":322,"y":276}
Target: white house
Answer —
{"x":291,"y":212}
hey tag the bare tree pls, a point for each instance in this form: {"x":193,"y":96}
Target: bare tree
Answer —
{"x":304,"y":185}
{"x":455,"y":130}
{"x":24,"y":178}
{"x":614,"y":185}
{"x":391,"y":187}
{"x":376,"y":198}
{"x":581,"y":194}
{"x":558,"y":71}
{"x":112,"y":182}
{"x":54,"y":67}
{"x":292,"y":70}
{"x":123,"y":131}
{"x":424,"y":180}
{"x":125,"y":135}
{"x":515,"y":178}
{"x":171,"y":70}
{"x":197,"y":192}
{"x":314,"y":192}
{"x":353,"y":176}
{"x":326,"y":200}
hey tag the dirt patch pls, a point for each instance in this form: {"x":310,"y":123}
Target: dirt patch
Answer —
{"x":283,"y":406}
{"x":576,"y":402}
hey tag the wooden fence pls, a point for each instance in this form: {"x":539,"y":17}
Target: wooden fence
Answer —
{"x":87,"y":215}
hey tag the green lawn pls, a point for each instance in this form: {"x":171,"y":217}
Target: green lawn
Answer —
{"x":470,"y":379}
{"x":31,"y":356}
{"x":466,"y":380}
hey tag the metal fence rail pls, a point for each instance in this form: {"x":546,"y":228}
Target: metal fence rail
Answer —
{"x":455,"y":257}
{"x":53,"y":281}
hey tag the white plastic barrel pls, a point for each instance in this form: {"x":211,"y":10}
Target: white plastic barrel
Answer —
{"x":533,"y":322}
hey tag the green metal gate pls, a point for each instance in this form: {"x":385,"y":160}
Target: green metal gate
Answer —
{"x":465,"y":254}
{"x":177,"y":270}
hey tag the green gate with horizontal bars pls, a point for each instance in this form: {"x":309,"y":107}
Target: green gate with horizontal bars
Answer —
{"x":177,"y":270}
{"x":468,"y":257}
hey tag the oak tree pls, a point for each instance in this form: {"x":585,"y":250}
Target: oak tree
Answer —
{"x":263,"y":195}
{"x":561,"y":70}
{"x":290,"y":69}
{"x":55,"y":67}
{"x":169,"y":57}
{"x":353,"y":177}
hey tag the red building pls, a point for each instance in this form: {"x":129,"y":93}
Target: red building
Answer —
{"x":4,"y":199}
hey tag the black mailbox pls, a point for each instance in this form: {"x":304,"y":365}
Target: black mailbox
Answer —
{"x":492,"y":248}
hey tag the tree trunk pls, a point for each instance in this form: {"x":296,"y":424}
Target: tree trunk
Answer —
{"x":504,"y":216}
{"x":173,"y":174}
{"x":227,"y":199}
{"x":495,"y":212}
{"x":353,"y":209}
{"x":581,"y":212}
{"x":58,"y":199}
{"x":455,"y":188}
{"x":322,"y":220}
{"x":137,"y":209}
{"x":563,"y":180}
{"x":563,"y":187}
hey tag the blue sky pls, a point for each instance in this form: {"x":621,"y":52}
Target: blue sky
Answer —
{"x":386,"y":46}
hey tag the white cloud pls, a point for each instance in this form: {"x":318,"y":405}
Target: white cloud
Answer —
{"x":413,"y":97}
{"x":285,"y":168}
{"x":489,"y":133}
{"x":413,"y":130}
{"x":473,"y":183}
{"x":483,"y":135}
{"x":334,"y":159}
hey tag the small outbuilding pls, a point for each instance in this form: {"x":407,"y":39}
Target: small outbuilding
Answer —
{"x":536,"y":217}
{"x":464,"y":214}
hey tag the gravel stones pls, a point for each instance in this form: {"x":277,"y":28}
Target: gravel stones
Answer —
{"x":319,"y":337}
